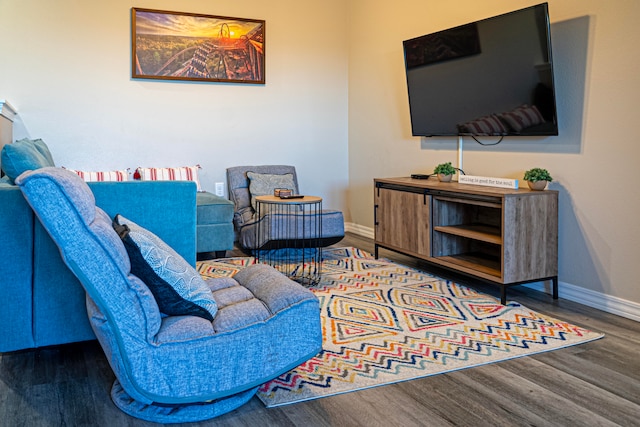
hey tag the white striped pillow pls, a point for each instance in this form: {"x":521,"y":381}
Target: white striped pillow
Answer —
{"x":109,"y":176}
{"x":184,"y":173}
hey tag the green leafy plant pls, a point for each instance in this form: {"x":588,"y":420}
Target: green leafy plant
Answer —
{"x":445,"y":169}
{"x":537,"y":174}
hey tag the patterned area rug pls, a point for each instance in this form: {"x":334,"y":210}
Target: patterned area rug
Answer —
{"x":384,"y":323}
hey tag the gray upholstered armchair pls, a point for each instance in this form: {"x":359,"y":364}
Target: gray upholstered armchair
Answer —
{"x":176,"y":359}
{"x":246,"y":182}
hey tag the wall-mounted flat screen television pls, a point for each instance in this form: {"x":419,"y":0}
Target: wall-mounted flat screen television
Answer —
{"x":489,"y":77}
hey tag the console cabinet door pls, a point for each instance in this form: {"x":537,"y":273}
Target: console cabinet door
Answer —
{"x":402,"y":221}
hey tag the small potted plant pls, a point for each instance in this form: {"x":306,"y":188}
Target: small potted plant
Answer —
{"x":537,"y":178}
{"x":444,"y":171}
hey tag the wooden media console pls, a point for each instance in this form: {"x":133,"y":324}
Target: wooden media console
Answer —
{"x":501,"y":236}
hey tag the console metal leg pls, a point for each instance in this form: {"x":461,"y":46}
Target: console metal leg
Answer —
{"x":554,"y":282}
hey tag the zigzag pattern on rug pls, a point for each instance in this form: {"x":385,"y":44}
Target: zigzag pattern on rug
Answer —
{"x":384,"y":322}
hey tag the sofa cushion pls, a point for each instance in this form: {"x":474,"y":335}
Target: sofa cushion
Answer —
{"x":263,"y":184}
{"x":176,"y":285}
{"x":23,"y":155}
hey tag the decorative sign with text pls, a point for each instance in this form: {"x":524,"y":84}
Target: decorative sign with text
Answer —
{"x":488,"y":181}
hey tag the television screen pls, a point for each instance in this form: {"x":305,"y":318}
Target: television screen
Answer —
{"x":490,"y":77}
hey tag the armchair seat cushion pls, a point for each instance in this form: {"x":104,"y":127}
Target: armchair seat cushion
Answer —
{"x":271,"y":226}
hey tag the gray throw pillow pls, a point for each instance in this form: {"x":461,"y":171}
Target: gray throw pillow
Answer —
{"x":263,"y":184}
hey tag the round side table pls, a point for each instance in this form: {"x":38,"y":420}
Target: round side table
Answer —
{"x":288,"y":236}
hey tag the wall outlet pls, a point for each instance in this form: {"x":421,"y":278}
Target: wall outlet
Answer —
{"x":220,"y":189}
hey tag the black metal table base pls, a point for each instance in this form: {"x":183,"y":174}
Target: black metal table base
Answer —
{"x":289,"y":236}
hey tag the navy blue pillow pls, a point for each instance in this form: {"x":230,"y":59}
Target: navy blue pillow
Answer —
{"x":177,"y":287}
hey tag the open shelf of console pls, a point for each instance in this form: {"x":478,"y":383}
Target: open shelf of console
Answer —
{"x":481,"y":232}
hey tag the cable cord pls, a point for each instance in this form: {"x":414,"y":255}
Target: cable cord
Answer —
{"x":485,"y":144}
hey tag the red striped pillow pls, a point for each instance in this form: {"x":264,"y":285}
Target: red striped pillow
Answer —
{"x":184,"y":173}
{"x":109,"y":176}
{"x":523,"y":117}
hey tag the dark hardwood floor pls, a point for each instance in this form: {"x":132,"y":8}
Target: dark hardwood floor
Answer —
{"x":594,"y":384}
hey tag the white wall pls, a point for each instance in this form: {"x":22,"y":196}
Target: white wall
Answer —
{"x":594,"y":160}
{"x":66,"y":68}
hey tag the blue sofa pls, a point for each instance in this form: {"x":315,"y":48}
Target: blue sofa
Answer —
{"x":41,"y":302}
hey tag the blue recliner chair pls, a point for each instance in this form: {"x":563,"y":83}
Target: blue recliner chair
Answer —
{"x":174,"y":368}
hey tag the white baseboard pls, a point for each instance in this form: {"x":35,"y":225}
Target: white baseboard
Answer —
{"x":360,"y":230}
{"x":598,"y":300}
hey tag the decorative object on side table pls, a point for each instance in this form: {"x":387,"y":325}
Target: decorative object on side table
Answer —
{"x":282,"y":192}
{"x":444,"y":171}
{"x":537,"y":178}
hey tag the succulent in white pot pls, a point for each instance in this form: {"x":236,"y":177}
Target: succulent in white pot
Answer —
{"x":444,"y":171}
{"x":537,"y":178}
